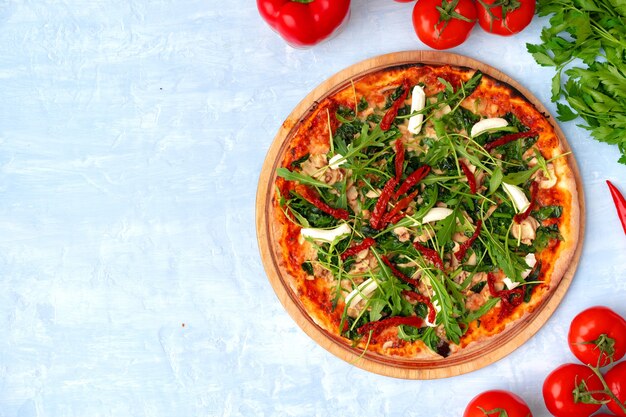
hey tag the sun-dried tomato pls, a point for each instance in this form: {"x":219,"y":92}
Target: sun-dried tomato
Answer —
{"x":508,"y":138}
{"x":397,"y":273}
{"x":429,"y":254}
{"x":420,"y":298}
{"x":468,"y":243}
{"x":392,"y":112}
{"x":367,"y":243}
{"x":376,"y":219}
{"x":376,"y":327}
{"x":471,"y":179}
{"x":413,"y":178}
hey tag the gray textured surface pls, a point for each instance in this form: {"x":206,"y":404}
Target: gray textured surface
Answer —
{"x":132,"y":134}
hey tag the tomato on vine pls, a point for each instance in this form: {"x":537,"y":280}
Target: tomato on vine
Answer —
{"x":443,"y":24}
{"x":597,"y":336}
{"x":616,"y":382}
{"x":505,"y":17}
{"x":573,"y":390}
{"x":497,"y":403}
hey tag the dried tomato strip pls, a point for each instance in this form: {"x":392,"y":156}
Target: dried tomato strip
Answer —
{"x":468,"y":243}
{"x":376,"y":219}
{"x":413,"y":178}
{"x":420,"y":298}
{"x":312,"y":197}
{"x":520,"y":217}
{"x":399,"y":160}
{"x":376,"y":327}
{"x":429,"y":254}
{"x":471,"y":179}
{"x":508,"y":138}
{"x":509,"y":298}
{"x":392,"y":112}
{"x":397,"y":273}
{"x":366,"y":244}
{"x":394,"y":215}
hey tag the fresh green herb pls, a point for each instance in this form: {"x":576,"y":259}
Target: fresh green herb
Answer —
{"x":548,"y":212}
{"x":478,"y":287}
{"x":425,"y":334}
{"x":589,"y":38}
{"x":307,"y":267}
{"x":301,"y":178}
{"x":544,"y":235}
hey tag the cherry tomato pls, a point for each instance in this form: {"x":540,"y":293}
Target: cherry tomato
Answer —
{"x":560,"y":387}
{"x":443,"y":24}
{"x":505,"y":17}
{"x":494,"y":403}
{"x":597,"y":336}
{"x":616,"y":380}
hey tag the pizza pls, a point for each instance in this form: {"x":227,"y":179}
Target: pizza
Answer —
{"x":419,"y":211}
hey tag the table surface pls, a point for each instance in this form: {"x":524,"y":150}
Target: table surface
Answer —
{"x":132,"y":136}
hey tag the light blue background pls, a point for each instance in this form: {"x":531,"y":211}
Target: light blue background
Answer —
{"x":132,"y":134}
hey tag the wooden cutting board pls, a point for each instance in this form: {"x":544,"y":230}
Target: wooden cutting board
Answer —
{"x":500,"y":345}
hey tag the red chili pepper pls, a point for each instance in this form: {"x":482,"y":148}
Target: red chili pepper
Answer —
{"x":471,"y":179}
{"x":413,"y":178}
{"x":381,"y":205}
{"x":508,"y":138}
{"x":367,"y":242}
{"x":392,"y":112}
{"x":304,"y":22}
{"x":397,"y":273}
{"x":509,"y":298}
{"x":520,"y":217}
{"x":399,"y":161}
{"x":412,"y":295}
{"x":394,"y":215}
{"x":312,"y":197}
{"x":429,"y":254}
{"x":620,"y":203}
{"x":376,"y":327}
{"x":468,"y":243}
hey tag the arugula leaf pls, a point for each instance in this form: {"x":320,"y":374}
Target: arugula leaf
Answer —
{"x":446,"y":316}
{"x":447,"y":228}
{"x":301,"y":178}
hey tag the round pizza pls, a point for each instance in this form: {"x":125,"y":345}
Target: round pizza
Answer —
{"x":422,"y":209}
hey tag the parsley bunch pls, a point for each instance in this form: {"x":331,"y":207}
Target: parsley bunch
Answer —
{"x":586,"y":43}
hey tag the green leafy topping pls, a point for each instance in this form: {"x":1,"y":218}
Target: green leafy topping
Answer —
{"x":585,"y":42}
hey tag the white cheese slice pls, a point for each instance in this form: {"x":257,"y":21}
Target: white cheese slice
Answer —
{"x":531,"y":261}
{"x":435,"y":214}
{"x":418,"y":101}
{"x":510,"y":284}
{"x":365,"y":289}
{"x":336,"y":161}
{"x":519,"y":199}
{"x":326,"y":235}
{"x":484,"y":125}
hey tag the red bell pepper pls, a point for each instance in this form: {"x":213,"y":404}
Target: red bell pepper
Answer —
{"x":304,"y":22}
{"x":620,"y":203}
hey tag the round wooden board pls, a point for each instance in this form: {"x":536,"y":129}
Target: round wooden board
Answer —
{"x":498,"y":346}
